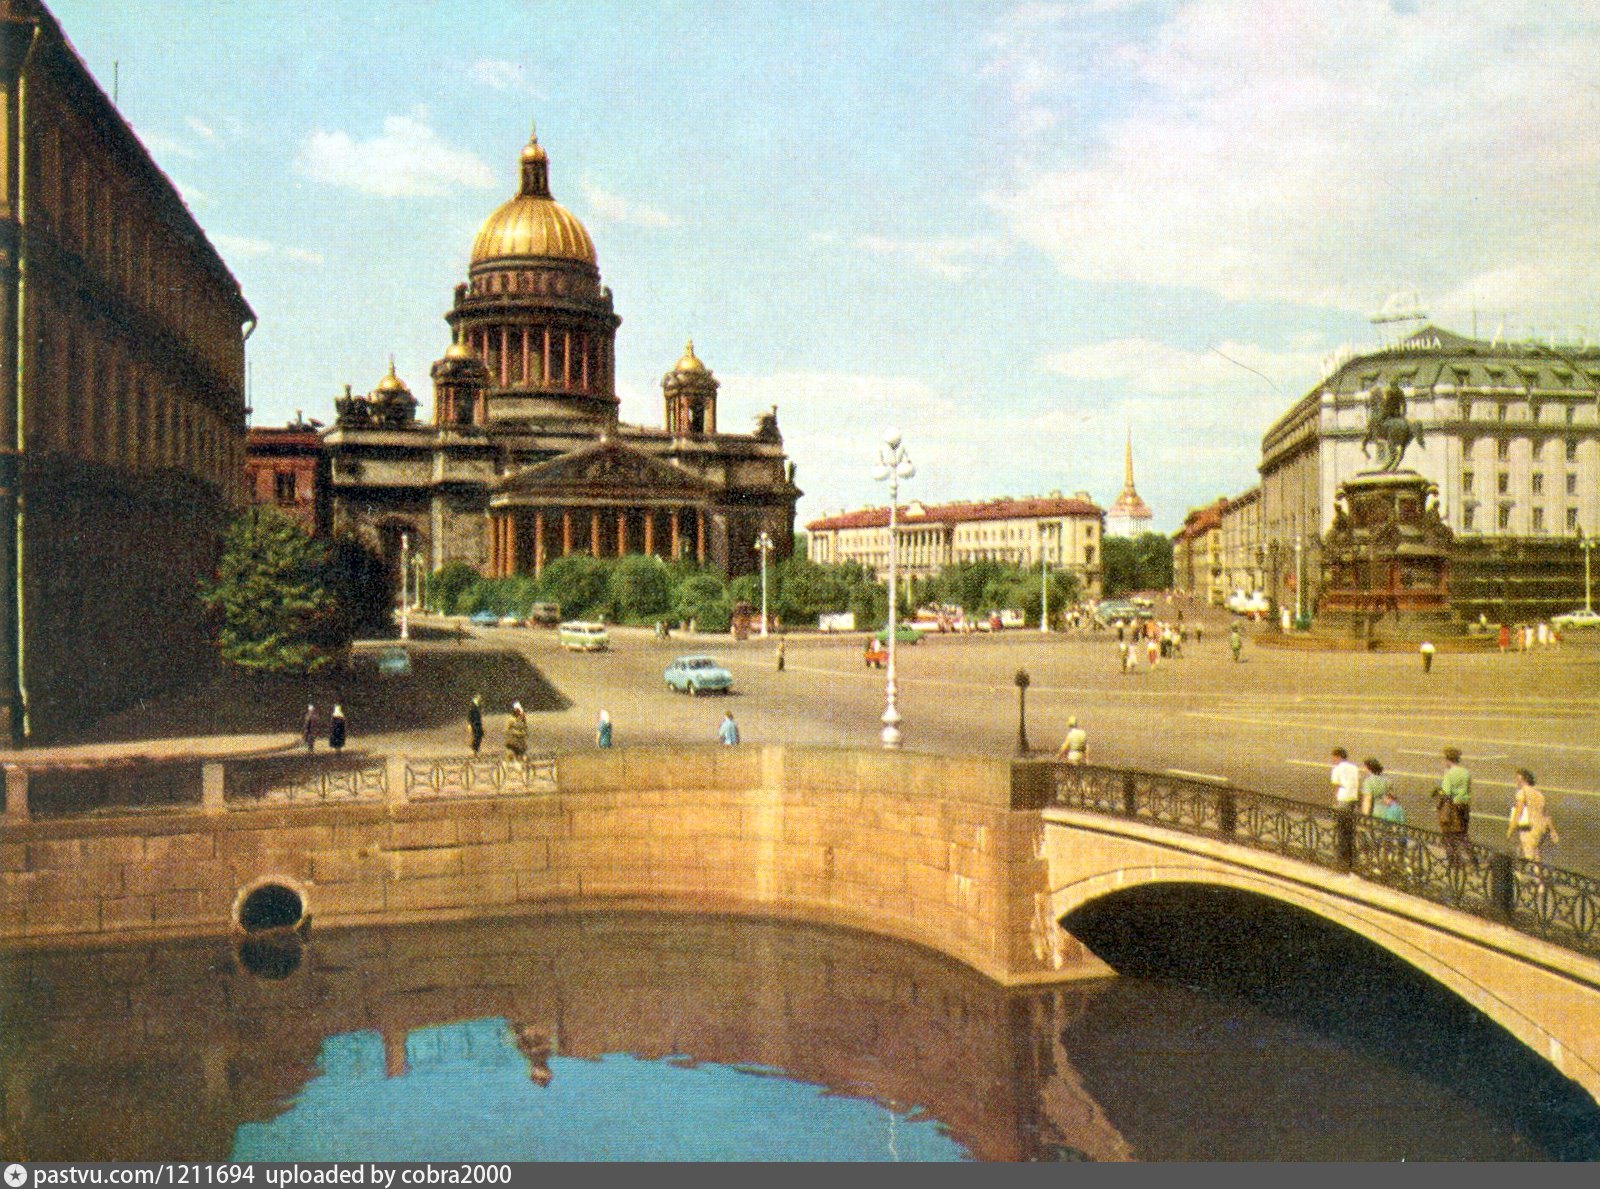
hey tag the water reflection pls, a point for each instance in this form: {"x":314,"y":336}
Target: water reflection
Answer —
{"x":596,"y":1036}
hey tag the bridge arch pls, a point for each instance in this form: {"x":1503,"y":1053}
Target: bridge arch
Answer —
{"x":1546,"y":997}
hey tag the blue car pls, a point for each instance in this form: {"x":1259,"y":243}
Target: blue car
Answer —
{"x":484,"y":619}
{"x":695,"y":675}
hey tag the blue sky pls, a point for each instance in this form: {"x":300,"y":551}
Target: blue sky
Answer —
{"x":1012,"y":230}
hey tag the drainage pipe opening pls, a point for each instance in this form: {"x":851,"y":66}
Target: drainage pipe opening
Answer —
{"x":269,"y":906}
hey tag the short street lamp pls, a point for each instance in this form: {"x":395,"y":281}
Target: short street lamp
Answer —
{"x":1023,"y":681}
{"x":1587,"y":545}
{"x":894,"y":464}
{"x":764,"y":546}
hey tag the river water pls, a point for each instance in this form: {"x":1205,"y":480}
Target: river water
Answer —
{"x":612,"y":1036}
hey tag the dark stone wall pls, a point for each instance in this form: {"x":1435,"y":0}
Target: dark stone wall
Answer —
{"x":111,"y":572}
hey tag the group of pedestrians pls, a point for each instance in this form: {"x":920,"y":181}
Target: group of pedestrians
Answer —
{"x":1368,"y":791}
{"x":1525,"y":637}
{"x":313,"y":728}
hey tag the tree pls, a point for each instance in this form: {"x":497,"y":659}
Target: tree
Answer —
{"x":1136,"y":563}
{"x":362,"y":587}
{"x":703,"y":598}
{"x":579,"y":584}
{"x":640,"y":589}
{"x":274,"y":609}
{"x":448,"y":583}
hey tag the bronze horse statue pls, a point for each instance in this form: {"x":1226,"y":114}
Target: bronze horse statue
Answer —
{"x":1387,"y":426}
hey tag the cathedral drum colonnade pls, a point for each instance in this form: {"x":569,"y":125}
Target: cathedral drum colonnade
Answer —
{"x":525,"y":460}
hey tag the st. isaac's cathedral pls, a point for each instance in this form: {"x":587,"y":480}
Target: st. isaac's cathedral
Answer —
{"x":525,"y":460}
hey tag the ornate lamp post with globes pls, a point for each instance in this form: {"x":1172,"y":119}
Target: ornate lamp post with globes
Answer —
{"x":405,"y":602}
{"x":894,"y":464}
{"x":764,"y":546}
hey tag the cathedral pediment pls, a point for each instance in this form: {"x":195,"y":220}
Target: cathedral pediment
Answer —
{"x":603,"y":469}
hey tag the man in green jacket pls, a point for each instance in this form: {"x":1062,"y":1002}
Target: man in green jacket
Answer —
{"x":1454,"y":796}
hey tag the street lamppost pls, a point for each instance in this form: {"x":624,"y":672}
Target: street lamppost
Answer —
{"x":1023,"y":681}
{"x":1587,"y":545}
{"x":764,"y":546}
{"x":405,"y":603}
{"x":894,"y":464}
{"x":1044,"y":582}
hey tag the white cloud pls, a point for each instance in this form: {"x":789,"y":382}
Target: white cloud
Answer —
{"x":950,"y":257}
{"x":201,"y":129}
{"x":616,"y":209}
{"x":246,"y":247}
{"x":161,"y":145}
{"x":408,"y":159}
{"x":1321,"y":153}
{"x":502,"y":75}
{"x":1160,"y":369}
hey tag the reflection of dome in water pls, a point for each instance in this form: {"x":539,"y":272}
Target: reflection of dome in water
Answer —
{"x":533,"y":223}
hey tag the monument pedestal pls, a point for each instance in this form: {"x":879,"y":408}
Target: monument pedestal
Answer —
{"x":1386,"y":561}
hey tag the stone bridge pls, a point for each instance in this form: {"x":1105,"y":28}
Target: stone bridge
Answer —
{"x":977,"y":858}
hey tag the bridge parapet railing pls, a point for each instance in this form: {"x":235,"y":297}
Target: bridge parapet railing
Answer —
{"x":305,"y":780}
{"x":477,"y":776}
{"x":1558,"y":905}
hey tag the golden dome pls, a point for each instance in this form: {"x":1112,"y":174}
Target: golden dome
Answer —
{"x":391,"y":383}
{"x":459,"y":350}
{"x":689,"y":363}
{"x":533,"y":223}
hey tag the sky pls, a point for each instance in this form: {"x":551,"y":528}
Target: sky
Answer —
{"x":1015,"y":232}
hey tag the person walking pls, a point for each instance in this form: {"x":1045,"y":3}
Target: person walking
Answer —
{"x":1152,"y":652}
{"x":1505,"y":637}
{"x":1076,"y":745}
{"x":1199,"y":634}
{"x":728,"y":732}
{"x":1453,"y":800}
{"x":1530,"y":821}
{"x":1427,"y":651}
{"x":1235,"y":642}
{"x":475,"y":723}
{"x":311,"y":728}
{"x":1373,"y":784}
{"x":336,"y":729}
{"x":780,"y":654}
{"x":517,"y":736}
{"x":1124,"y":656}
{"x":602,"y":729}
{"x":1346,"y":780}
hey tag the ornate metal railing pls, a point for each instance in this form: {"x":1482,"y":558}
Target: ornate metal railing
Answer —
{"x":1560,"y":906}
{"x":474,"y":776}
{"x":308,"y":781}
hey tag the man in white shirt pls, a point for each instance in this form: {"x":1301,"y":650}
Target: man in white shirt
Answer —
{"x":1346,"y":781}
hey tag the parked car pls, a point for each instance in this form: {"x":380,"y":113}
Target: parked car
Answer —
{"x":696,"y":675}
{"x":484,"y":619}
{"x":1242,"y":602}
{"x":904,"y":633}
{"x":580,"y":636}
{"x":511,"y":621}
{"x":394,"y":661}
{"x":877,"y":654}
{"x":543,"y":615}
{"x":1583,"y":617}
{"x":1012,"y":617}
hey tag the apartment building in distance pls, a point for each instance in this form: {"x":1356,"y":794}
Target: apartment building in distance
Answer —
{"x":1065,"y":533}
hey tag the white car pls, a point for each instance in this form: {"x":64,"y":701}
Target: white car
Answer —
{"x":1581,"y":618}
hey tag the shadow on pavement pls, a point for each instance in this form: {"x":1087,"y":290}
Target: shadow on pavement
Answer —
{"x":434,"y":693}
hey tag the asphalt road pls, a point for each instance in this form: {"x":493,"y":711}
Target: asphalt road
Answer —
{"x":1265,"y":723}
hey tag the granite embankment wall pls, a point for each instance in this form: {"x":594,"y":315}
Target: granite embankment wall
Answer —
{"x":923,"y":848}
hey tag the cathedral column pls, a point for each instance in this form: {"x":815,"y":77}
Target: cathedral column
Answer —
{"x":584,"y":360}
{"x":505,"y":355}
{"x":566,"y":532}
{"x":650,"y":532}
{"x":622,"y":531}
{"x":538,"y":542}
{"x":566,"y":359}
{"x":544,"y":379}
{"x":511,"y":544}
{"x":594,"y":533}
{"x":675,"y":514}
{"x":700,"y":535}
{"x":524,"y":355}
